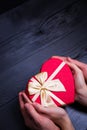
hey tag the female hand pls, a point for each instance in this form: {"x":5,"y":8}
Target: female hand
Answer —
{"x":57,"y":114}
{"x":79,"y":70}
{"x":80,"y":76}
{"x":81,"y":65}
{"x":33,"y":119}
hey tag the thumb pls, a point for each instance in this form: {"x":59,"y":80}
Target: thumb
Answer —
{"x":48,"y":110}
{"x":31,"y":112}
{"x":39,"y":108}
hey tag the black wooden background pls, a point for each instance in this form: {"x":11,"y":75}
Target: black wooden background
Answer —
{"x":30,"y":34}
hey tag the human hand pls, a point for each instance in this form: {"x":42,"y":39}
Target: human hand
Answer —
{"x":81,"y":65}
{"x":33,"y":119}
{"x":80,"y":76}
{"x":79,"y":70}
{"x":57,"y":114}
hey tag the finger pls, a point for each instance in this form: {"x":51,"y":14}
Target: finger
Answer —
{"x":39,"y":108}
{"x":27,"y":119}
{"x":60,"y":57}
{"x":77,"y":72}
{"x":22,"y":100}
{"x":81,"y":65}
{"x":53,"y":113}
{"x":32,"y":112}
{"x":25,"y":98}
{"x":21,"y":103}
{"x":46,"y":110}
{"x":76,"y":62}
{"x":74,"y":68}
{"x":78,"y":76}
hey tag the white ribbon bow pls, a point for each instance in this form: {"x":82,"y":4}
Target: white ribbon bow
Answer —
{"x":42,"y":85}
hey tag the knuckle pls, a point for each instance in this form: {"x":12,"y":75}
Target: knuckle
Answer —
{"x":80,"y":71}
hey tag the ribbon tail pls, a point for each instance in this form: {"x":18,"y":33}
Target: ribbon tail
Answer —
{"x":46,"y":100}
{"x":56,"y":98}
{"x":35,"y":97}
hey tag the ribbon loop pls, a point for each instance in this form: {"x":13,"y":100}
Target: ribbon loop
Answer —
{"x":42,"y":86}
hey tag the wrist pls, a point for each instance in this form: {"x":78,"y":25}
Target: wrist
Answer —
{"x":66,"y":123}
{"x":82,"y":96}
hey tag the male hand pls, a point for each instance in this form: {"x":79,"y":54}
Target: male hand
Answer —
{"x":33,"y":119}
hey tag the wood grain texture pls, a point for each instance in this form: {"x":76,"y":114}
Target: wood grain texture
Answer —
{"x":30,"y":34}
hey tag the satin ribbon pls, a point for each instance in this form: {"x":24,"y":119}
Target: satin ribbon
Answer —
{"x":43,"y":86}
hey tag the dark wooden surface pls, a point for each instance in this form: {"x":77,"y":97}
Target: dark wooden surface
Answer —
{"x":6,"y":5}
{"x":30,"y":34}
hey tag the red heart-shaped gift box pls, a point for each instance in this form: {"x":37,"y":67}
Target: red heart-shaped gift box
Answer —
{"x":54,"y":85}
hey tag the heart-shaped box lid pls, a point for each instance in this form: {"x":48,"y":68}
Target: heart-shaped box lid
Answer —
{"x":54,"y":85}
